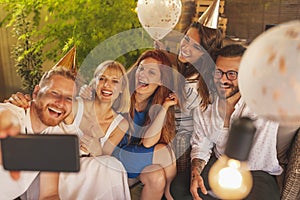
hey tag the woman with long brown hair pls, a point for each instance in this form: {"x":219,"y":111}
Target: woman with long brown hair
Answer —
{"x":195,"y":62}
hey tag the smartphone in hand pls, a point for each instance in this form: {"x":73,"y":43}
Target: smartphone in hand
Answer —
{"x":51,"y":152}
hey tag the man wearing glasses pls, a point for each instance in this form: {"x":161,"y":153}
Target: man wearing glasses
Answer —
{"x":211,"y":133}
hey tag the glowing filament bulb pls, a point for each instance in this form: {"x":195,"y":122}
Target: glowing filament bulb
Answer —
{"x":230,"y":177}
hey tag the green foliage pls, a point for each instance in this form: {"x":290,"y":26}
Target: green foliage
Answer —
{"x":86,"y":23}
{"x":27,"y":53}
{"x":58,"y":25}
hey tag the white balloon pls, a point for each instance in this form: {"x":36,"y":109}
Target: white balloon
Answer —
{"x":269,"y":74}
{"x":158,"y":17}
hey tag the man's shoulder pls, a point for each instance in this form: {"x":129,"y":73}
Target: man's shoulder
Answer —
{"x":19,"y":112}
{"x":11,"y":107}
{"x":260,"y":122}
{"x":253,"y":115}
{"x":55,"y":129}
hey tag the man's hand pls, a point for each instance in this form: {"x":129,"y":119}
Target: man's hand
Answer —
{"x":19,"y":99}
{"x":197,"y":182}
{"x":9,"y":123}
{"x":9,"y":126}
{"x":196,"y":179}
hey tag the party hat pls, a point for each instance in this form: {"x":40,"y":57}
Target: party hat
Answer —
{"x":69,"y":60}
{"x":211,"y":16}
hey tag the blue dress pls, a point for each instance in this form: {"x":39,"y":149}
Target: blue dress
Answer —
{"x":134,"y":156}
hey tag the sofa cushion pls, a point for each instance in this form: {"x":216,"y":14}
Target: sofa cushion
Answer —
{"x":291,"y":187}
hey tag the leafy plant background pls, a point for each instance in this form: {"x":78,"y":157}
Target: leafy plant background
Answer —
{"x":47,"y":29}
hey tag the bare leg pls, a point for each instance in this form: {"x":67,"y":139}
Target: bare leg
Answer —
{"x":165,"y":157}
{"x":49,"y":185}
{"x":153,"y":178}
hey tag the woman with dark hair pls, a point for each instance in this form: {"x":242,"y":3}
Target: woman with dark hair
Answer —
{"x":195,"y":63}
{"x":196,"y":57}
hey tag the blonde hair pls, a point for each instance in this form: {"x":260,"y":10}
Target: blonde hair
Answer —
{"x":122,"y":103}
{"x":61,"y":71}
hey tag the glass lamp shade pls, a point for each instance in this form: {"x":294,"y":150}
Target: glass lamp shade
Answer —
{"x":230,"y":178}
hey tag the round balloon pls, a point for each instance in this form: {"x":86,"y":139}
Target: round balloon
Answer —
{"x":269,"y":74}
{"x":158,"y":17}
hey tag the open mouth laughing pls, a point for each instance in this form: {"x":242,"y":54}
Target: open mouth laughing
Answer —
{"x":55,"y":112}
{"x":142,"y":83}
{"x":106,"y":93}
{"x":225,"y":86}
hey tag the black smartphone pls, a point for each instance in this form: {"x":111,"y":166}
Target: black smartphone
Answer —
{"x":43,"y":152}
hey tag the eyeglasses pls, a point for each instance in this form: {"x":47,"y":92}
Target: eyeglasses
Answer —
{"x":230,"y":75}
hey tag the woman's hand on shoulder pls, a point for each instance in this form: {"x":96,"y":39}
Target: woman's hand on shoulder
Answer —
{"x":19,"y":99}
{"x":86,"y":92}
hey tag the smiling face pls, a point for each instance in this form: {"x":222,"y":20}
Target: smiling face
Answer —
{"x":53,"y":100}
{"x":227,"y":88}
{"x":148,"y":76}
{"x":109,"y":85}
{"x":190,"y":48}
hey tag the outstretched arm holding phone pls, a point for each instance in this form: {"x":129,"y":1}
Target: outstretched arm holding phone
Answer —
{"x":9,"y":126}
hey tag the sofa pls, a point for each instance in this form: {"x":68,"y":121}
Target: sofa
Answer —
{"x":291,"y":182}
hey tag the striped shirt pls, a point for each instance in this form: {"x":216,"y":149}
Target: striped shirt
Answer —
{"x":185,"y":127}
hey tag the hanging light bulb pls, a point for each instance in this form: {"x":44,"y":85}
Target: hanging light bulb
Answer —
{"x":229,"y":177}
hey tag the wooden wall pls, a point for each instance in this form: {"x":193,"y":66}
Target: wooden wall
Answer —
{"x":10,"y":82}
{"x":249,"y":18}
